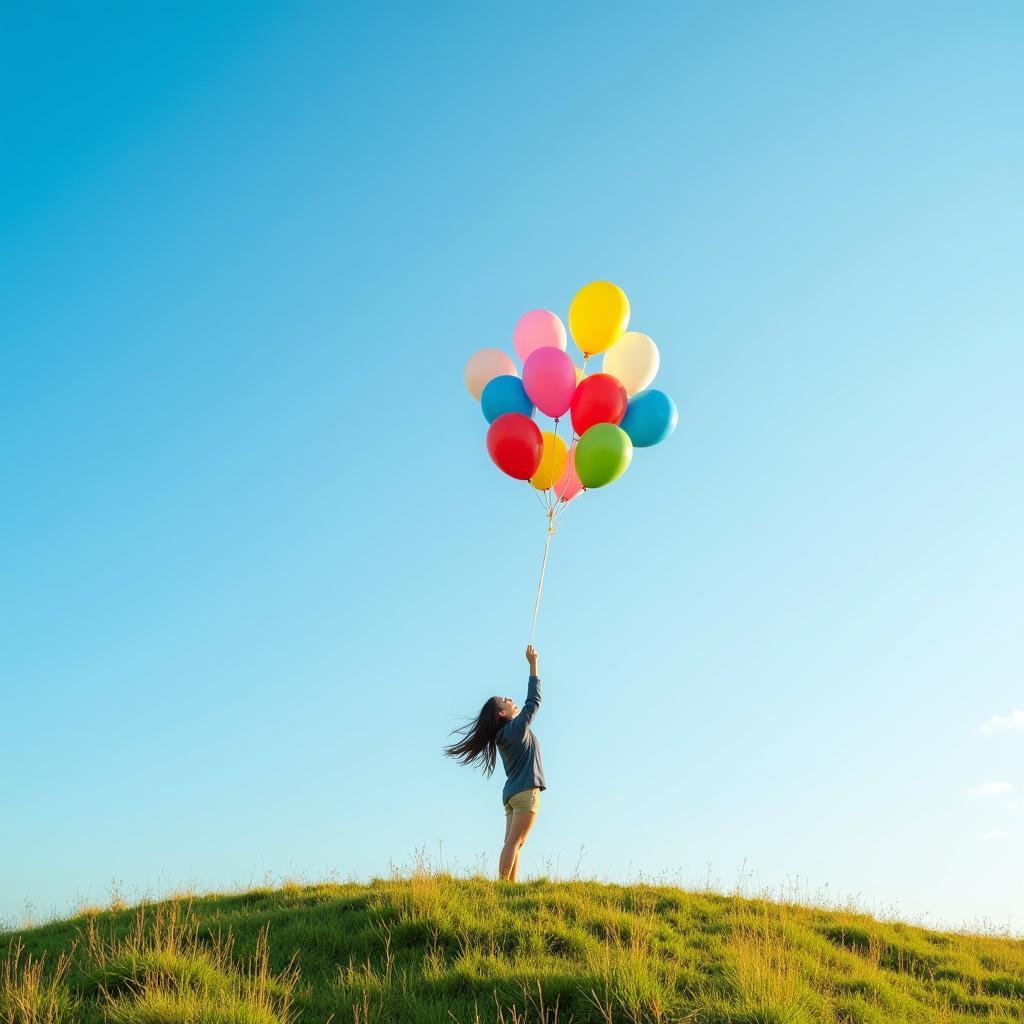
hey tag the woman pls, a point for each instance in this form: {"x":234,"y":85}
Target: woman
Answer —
{"x":503,"y":727}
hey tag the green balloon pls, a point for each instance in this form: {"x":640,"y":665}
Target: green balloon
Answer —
{"x":603,"y":454}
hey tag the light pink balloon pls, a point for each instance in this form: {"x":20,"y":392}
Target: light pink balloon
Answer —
{"x":539,"y":328}
{"x":550,"y":380}
{"x":483,"y":366}
{"x":568,"y":485}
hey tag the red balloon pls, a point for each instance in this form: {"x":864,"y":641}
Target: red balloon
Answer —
{"x":600,"y":398}
{"x":515,"y":445}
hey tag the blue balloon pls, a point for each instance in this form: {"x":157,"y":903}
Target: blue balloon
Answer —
{"x":505,"y":394}
{"x":650,"y":417}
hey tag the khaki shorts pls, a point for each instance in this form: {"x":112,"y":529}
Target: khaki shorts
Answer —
{"x":524,"y":800}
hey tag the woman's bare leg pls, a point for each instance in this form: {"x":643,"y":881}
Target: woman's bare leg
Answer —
{"x":513,"y":875}
{"x":517,"y":828}
{"x":503,"y":871}
{"x":508,"y":829}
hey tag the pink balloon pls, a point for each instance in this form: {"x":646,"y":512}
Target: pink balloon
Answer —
{"x":550,"y":380}
{"x":568,"y":485}
{"x":539,"y":328}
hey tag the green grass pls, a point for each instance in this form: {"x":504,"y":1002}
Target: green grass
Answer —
{"x":436,"y":948}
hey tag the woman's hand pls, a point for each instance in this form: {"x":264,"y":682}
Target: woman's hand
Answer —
{"x":531,"y":657}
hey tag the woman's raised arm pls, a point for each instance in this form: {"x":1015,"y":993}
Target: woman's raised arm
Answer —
{"x":518,"y":726}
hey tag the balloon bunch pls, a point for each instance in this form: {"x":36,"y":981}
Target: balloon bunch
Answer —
{"x":612,"y":412}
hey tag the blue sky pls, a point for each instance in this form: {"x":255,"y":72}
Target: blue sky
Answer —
{"x":257,"y":564}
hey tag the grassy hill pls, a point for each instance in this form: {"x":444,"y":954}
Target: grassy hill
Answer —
{"x":459,"y":951}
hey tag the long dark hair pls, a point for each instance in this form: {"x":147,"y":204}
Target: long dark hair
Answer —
{"x":477,"y":743}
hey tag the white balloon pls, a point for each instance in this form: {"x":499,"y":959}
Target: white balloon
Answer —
{"x":634,"y":360}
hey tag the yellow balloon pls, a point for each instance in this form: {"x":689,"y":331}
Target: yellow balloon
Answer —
{"x":552,"y":462}
{"x":598,"y":316}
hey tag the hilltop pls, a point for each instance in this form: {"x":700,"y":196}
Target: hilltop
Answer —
{"x":437,"y":948}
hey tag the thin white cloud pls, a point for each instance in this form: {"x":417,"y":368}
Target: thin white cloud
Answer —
{"x":996,"y":835}
{"x":988,"y":789}
{"x":1013,"y":722}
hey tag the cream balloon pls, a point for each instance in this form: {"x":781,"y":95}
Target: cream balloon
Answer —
{"x":634,"y":360}
{"x":483,"y":366}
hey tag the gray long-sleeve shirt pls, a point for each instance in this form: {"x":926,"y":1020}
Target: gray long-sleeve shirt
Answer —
{"x":520,"y":749}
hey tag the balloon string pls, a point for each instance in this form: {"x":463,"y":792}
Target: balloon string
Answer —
{"x":537,"y":493}
{"x":543,"y":565}
{"x":549,"y":494}
{"x":568,"y":472}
